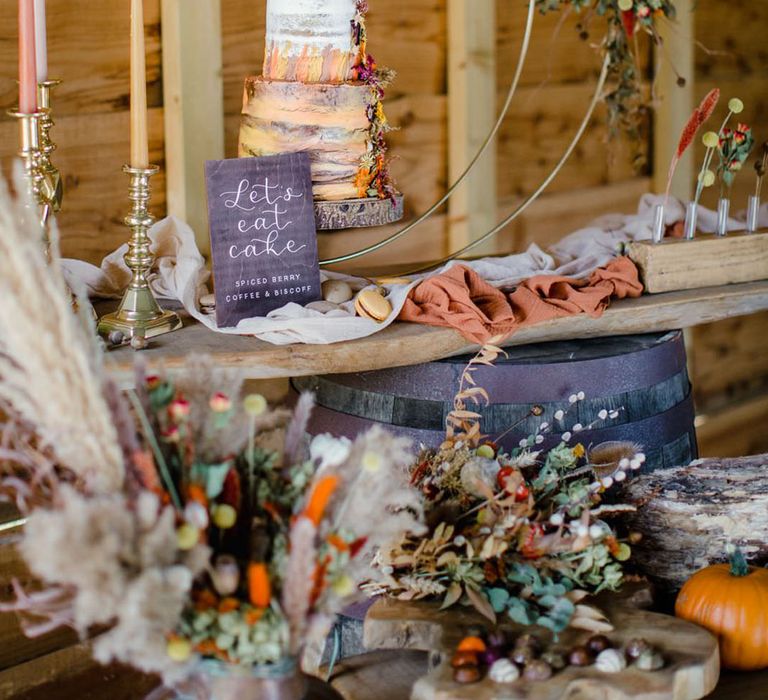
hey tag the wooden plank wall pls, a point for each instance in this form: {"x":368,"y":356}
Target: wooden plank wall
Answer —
{"x":729,"y":361}
{"x":557,"y":86}
{"x":88,"y":45}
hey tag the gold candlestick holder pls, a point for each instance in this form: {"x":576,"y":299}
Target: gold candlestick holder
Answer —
{"x":139,"y":316}
{"x":31,"y":156}
{"x":53,"y":186}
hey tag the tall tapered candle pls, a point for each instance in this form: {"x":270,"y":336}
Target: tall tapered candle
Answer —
{"x":27,"y":69}
{"x":41,"y":42}
{"x":139,"y":139}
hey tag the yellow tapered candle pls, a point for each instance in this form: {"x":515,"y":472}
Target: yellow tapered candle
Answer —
{"x":139,"y":139}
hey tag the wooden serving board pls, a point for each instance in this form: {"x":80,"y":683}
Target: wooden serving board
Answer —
{"x":691,"y":672}
{"x":410,"y":343}
{"x":676,"y":264}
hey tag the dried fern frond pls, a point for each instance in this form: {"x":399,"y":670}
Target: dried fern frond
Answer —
{"x":50,"y":368}
{"x":461,"y":423}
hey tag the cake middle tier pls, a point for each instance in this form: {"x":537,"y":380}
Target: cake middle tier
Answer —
{"x":332,"y":122}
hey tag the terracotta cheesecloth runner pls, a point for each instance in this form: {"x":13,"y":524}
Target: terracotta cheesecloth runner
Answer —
{"x":459,"y":298}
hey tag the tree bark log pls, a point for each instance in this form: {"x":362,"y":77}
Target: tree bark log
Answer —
{"x":687,"y":516}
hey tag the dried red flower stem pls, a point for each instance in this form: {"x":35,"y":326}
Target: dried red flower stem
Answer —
{"x":700,"y":115}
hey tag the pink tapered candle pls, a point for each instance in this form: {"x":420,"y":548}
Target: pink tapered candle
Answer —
{"x":139,"y":139}
{"x":41,"y":42}
{"x":27,"y":68}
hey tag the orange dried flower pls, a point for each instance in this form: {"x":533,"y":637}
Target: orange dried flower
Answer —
{"x":207,"y":648}
{"x":337,"y":542}
{"x":205,"y":600}
{"x":259,"y":586}
{"x":318,"y":501}
{"x":229,"y":605}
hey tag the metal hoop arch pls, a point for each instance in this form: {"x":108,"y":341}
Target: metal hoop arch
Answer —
{"x":543,"y":186}
{"x":489,"y":139}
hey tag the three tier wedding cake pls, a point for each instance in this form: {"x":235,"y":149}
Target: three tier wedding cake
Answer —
{"x":320,"y":92}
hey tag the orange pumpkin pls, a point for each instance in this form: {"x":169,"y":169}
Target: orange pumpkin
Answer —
{"x":731,"y":601}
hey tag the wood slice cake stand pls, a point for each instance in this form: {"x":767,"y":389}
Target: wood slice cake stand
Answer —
{"x":357,"y":213}
{"x":692,"y":658}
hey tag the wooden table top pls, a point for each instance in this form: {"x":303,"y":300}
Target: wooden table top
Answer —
{"x":409,"y":344}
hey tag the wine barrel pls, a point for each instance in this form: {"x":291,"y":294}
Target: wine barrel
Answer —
{"x":642,"y":377}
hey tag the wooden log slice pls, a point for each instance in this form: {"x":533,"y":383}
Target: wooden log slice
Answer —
{"x":357,"y":213}
{"x":691,"y":653}
{"x":689,"y":514}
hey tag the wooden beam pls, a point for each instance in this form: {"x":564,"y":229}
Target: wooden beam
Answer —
{"x":410,"y":343}
{"x":674,"y":58}
{"x":471,"y":115}
{"x":194,"y":105}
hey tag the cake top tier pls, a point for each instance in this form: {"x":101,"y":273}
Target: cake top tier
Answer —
{"x":312,"y":41}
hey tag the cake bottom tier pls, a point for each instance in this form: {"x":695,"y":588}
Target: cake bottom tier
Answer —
{"x":332,"y":122}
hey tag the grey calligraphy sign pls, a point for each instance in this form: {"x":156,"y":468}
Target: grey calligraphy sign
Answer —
{"x":263,"y":236}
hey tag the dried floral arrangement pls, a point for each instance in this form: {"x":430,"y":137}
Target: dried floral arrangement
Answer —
{"x":625,"y":18}
{"x":374,"y":178}
{"x":189,"y":522}
{"x":732,"y":147}
{"x":521,"y":534}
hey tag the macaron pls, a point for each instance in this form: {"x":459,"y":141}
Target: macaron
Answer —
{"x":392,"y":281}
{"x":371,"y":304}
{"x":208,"y":303}
{"x":337,"y":291}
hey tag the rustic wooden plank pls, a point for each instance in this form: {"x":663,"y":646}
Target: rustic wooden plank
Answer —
{"x":708,"y":260}
{"x":88,"y":50}
{"x":409,"y":344}
{"x":471,"y":116}
{"x":559,"y":51}
{"x":735,"y":42}
{"x":728,"y":360}
{"x":193,"y":96}
{"x":736,"y":430}
{"x":537,"y":132}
